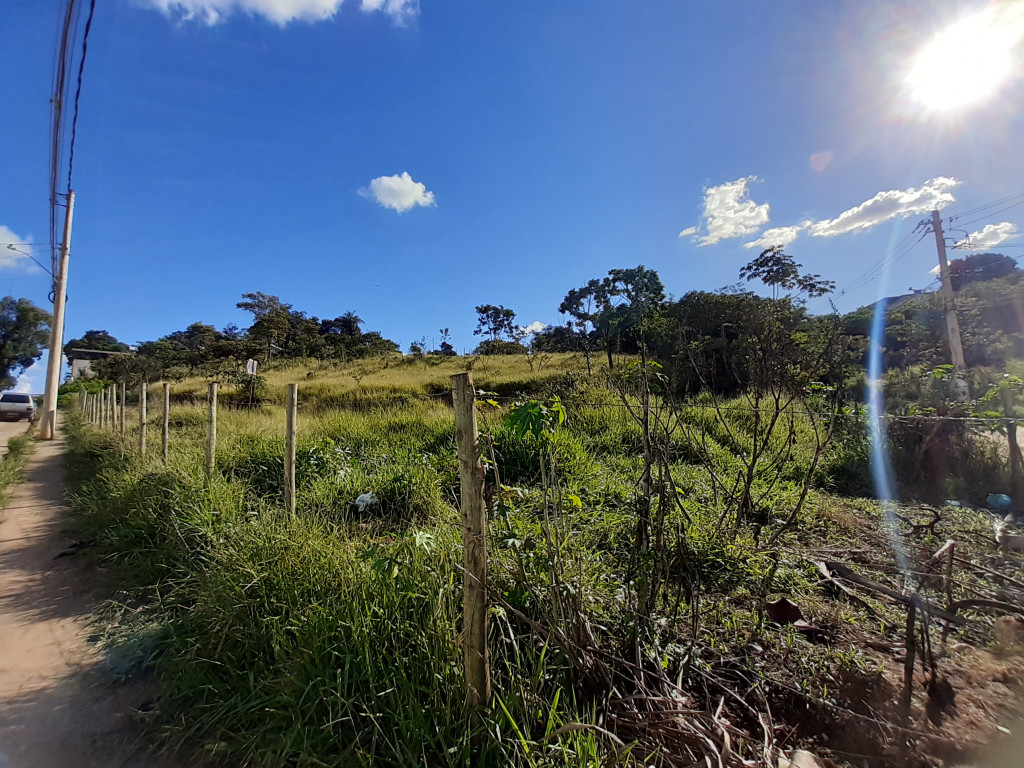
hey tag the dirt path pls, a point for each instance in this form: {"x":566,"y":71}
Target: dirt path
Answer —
{"x":56,"y":708}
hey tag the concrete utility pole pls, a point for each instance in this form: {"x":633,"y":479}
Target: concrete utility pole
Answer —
{"x":956,"y":345}
{"x":48,"y":424}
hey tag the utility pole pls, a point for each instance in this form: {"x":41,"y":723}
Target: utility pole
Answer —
{"x":48,"y":424}
{"x":956,"y":345}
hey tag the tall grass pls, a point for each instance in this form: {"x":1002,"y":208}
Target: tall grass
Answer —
{"x":331,"y":637}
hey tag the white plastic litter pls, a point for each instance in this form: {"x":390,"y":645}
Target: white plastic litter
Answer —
{"x":365,"y":500}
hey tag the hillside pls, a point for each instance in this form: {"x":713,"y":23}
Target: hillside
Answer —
{"x":716,"y":628}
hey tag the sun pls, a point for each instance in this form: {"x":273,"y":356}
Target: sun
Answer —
{"x":969,"y":61}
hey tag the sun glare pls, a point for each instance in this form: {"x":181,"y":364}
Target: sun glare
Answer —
{"x":969,"y":61}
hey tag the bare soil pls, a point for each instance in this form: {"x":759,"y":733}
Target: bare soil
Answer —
{"x":60,"y":707}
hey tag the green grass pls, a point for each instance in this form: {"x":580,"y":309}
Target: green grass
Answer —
{"x":331,"y":638}
{"x":12,"y":466}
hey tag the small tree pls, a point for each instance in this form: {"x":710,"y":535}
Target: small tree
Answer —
{"x":495,"y":321}
{"x":779,"y":271}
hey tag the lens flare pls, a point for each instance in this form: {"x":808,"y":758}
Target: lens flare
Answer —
{"x":881,"y":468}
{"x":969,"y":61}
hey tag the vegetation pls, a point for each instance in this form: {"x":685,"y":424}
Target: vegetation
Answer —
{"x":664,"y":540}
{"x":24,"y":331}
{"x":19,"y":449}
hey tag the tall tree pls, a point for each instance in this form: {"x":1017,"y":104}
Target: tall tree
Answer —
{"x":24,"y":332}
{"x":780,"y":272}
{"x":615,"y":304}
{"x":979,"y":268}
{"x":495,"y":321}
{"x":99,"y":340}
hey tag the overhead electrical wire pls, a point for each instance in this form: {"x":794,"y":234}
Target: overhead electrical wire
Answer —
{"x":994,"y":204}
{"x":990,"y":215}
{"x":61,"y":66}
{"x":78,"y":88}
{"x":905,"y":247}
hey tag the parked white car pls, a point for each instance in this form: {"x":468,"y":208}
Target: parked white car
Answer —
{"x":16,"y":406}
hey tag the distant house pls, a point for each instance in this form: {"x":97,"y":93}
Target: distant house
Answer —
{"x":81,"y":368}
{"x":80,"y":361}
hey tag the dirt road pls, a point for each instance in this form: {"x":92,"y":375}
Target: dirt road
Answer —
{"x":9,"y":429}
{"x":57,"y":709}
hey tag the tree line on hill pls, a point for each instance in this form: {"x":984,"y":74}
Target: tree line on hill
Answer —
{"x":703,"y":340}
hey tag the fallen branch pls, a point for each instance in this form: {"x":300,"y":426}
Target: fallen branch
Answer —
{"x":845,"y":572}
{"x":995,"y":605}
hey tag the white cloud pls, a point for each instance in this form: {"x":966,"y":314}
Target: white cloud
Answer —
{"x":277,"y":11}
{"x":988,"y":237}
{"x":778,"y":236}
{"x":399,"y":193}
{"x":535,"y":327}
{"x":729,"y":212}
{"x":399,"y":10}
{"x":14,"y":258}
{"x":934,"y":194}
{"x":31,"y":379}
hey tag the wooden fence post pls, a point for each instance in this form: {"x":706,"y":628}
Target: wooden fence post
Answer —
{"x":167,"y":419}
{"x":81,"y":399}
{"x":124,"y":397}
{"x":112,"y":405}
{"x":211,"y":430}
{"x":104,"y":405}
{"x":908,"y":663}
{"x":143,"y":391}
{"x":290,"y":430}
{"x":474,"y":535}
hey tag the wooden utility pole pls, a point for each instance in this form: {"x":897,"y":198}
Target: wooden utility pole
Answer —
{"x":211,"y":430}
{"x":291,"y":419}
{"x":48,"y":423}
{"x":956,"y":345}
{"x":474,"y":536}
{"x":143,"y":391}
{"x":167,"y":420}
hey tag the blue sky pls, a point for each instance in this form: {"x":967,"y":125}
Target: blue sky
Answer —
{"x":408,"y":161}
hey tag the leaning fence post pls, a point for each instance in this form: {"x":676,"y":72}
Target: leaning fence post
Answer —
{"x":143,"y":391}
{"x":167,"y":419}
{"x":211,"y":430}
{"x":290,"y":422}
{"x":474,"y":527}
{"x":908,"y":663}
{"x":124,"y":397}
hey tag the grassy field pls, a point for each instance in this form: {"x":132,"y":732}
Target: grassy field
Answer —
{"x":332,"y":637}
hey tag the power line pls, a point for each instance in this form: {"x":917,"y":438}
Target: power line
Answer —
{"x":1001,"y":201}
{"x":990,"y":215}
{"x":78,"y":88}
{"x":901,"y":250}
{"x":62,"y":63}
